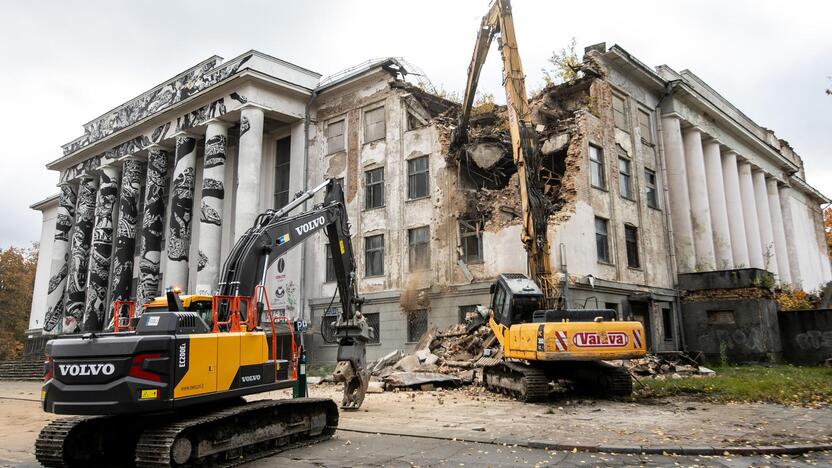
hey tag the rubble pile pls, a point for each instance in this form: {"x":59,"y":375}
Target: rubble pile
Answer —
{"x":661,"y":367}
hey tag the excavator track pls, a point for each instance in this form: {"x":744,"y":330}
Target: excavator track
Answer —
{"x":517,"y":379}
{"x":88,"y":441}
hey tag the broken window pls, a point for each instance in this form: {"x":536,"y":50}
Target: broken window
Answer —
{"x":330,"y":266}
{"x":374,"y":255}
{"x":466,"y":310}
{"x":619,"y":113}
{"x":374,"y":193}
{"x":414,"y":121}
{"x":470,"y":240}
{"x":596,"y":167}
{"x":667,"y":324}
{"x":335,"y":137}
{"x":652,"y":194}
{"x":631,"y":239}
{"x":644,"y":127}
{"x":417,"y":324}
{"x":282,"y":167}
{"x":602,"y":244}
{"x":374,"y":323}
{"x":625,"y":179}
{"x":374,"y":124}
{"x":418,"y":184}
{"x":419,"y":248}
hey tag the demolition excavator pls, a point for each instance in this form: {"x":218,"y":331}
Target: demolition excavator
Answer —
{"x":166,"y":388}
{"x":542,"y":339}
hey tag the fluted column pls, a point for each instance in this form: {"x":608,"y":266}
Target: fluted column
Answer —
{"x":153,"y":225}
{"x":679,"y":200}
{"x":788,"y":228}
{"x":749,"y":212}
{"x":101,"y":250}
{"x":59,"y":267}
{"x":213,"y":195}
{"x":703,"y":237}
{"x":733,"y":204}
{"x":181,"y":213}
{"x":764,"y":218}
{"x":79,"y":255}
{"x":249,"y":159}
{"x":125,"y":246}
{"x":783,"y":269}
{"x":716,"y":201}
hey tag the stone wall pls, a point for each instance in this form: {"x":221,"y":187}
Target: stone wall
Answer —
{"x":806,"y":335}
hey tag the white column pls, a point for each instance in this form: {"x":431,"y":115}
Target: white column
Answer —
{"x":716,"y":200}
{"x":249,"y":160}
{"x":703,"y":237}
{"x":764,"y":218}
{"x":788,"y":228}
{"x":679,"y":201}
{"x":181,"y":212}
{"x":749,"y":211}
{"x":779,"y":231}
{"x":733,"y":204}
{"x":213,"y":196}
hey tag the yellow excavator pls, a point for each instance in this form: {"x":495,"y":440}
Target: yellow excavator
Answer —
{"x":541,"y":338}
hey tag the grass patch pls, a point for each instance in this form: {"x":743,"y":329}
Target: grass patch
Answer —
{"x":790,"y":385}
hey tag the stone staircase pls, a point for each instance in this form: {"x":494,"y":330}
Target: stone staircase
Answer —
{"x":22,"y":369}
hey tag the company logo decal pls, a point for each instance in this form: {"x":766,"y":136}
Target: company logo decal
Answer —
{"x":183,"y":355}
{"x":76,"y":370}
{"x":603,"y":339}
{"x":308,"y":226}
{"x":250,"y":378}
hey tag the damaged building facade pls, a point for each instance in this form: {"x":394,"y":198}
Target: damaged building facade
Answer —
{"x":629,"y":166}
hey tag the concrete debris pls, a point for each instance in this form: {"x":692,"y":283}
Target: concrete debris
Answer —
{"x":660,"y":367}
{"x":420,"y":379}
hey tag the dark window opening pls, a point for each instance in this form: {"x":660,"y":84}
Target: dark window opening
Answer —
{"x":418,"y":178}
{"x":281,"y":172}
{"x":631,"y":239}
{"x":596,"y":167}
{"x":625,"y":183}
{"x":652,"y":194}
{"x":374,"y":255}
{"x":470,"y":240}
{"x":419,"y":248}
{"x":374,"y":323}
{"x":667,"y":324}
{"x":374,"y":193}
{"x":417,"y":324}
{"x":602,"y":245}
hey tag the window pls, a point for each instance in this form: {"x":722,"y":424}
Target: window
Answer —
{"x":721,"y":317}
{"x":374,"y":124}
{"x":619,"y":113}
{"x":613,"y":306}
{"x":374,"y":194}
{"x":625,"y":182}
{"x":414,"y":121}
{"x":373,"y":322}
{"x":466,"y":310}
{"x":374,"y":255}
{"x":330,"y":265}
{"x":667,"y":324}
{"x":602,"y":245}
{"x":418,"y":184}
{"x":652,"y":190}
{"x":631,"y":239}
{"x":281,"y":172}
{"x":335,"y":137}
{"x":596,"y":167}
{"x":419,"y":248}
{"x":417,"y":324}
{"x":470,"y":240}
{"x":644,"y":126}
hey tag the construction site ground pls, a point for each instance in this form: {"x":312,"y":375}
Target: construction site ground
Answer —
{"x":473,"y":416}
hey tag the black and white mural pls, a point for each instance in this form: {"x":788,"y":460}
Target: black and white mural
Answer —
{"x":153,"y":225}
{"x":79,"y":252}
{"x":101,"y":250}
{"x":182,"y":203}
{"x":60,"y":257}
{"x":210,"y":221}
{"x":132,"y":173}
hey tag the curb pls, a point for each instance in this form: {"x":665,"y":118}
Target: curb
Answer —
{"x":701,"y":450}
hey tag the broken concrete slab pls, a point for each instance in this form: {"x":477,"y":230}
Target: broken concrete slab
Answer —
{"x":408,"y":363}
{"x":417,"y":379}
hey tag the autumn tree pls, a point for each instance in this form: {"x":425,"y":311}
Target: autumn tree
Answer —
{"x":17,"y":280}
{"x":827,"y":229}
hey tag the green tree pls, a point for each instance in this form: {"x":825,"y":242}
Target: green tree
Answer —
{"x":566,"y":65}
{"x":17,"y":280}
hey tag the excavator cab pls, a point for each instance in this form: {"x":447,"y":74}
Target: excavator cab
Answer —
{"x":515,"y":298}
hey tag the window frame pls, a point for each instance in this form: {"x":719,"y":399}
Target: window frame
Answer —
{"x":372,"y":317}
{"x":607,"y":257}
{"x":424,"y":315}
{"x":370,"y":186}
{"x":632,"y":243}
{"x":651,"y":187}
{"x":343,"y":122}
{"x":625,"y":179}
{"x":411,"y":174}
{"x":475,"y":229}
{"x":625,"y":125}
{"x":284,"y":167}
{"x":411,"y":245}
{"x":368,"y":251}
{"x":383,"y":123}
{"x":649,"y":127}
{"x":667,"y":324}
{"x":601,"y":167}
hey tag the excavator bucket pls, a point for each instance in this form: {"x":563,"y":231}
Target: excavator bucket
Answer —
{"x":355,"y":384}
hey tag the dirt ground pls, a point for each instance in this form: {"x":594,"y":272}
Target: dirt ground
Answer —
{"x":470,"y":413}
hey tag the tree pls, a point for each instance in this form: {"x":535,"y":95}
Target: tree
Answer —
{"x":827,"y":229}
{"x":17,"y":280}
{"x":566,"y":65}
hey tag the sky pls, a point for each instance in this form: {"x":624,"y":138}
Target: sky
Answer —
{"x":65,"y":63}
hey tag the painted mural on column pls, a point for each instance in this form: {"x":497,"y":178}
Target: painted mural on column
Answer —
{"x":153,"y":226}
{"x":79,"y":252}
{"x":213,"y":194}
{"x":101,"y":251}
{"x":182,"y":202}
{"x":125,"y":246}
{"x":60,"y":259}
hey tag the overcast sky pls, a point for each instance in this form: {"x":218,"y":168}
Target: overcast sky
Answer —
{"x":65,"y":63}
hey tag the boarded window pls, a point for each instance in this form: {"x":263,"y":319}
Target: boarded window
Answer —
{"x":374,"y":193}
{"x":652,"y":191}
{"x":667,"y":324}
{"x":619,"y":112}
{"x":374,"y":323}
{"x":644,"y":127}
{"x":418,"y":182}
{"x":419,"y":248}
{"x":470,"y":239}
{"x":417,"y":324}
{"x":374,"y":124}
{"x":602,"y":243}
{"x":374,"y":255}
{"x":625,"y":178}
{"x":596,"y":167}
{"x":721,"y":317}
{"x":281,"y":172}
{"x":335,"y":137}
{"x":631,"y":239}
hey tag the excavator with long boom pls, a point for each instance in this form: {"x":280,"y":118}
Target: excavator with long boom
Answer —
{"x":542,"y":339}
{"x":168,"y":389}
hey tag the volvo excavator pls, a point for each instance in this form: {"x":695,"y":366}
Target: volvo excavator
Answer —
{"x":542,"y":339}
{"x":167,"y":388}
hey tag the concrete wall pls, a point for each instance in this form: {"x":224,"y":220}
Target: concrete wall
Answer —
{"x":813,"y":261}
{"x":47,"y":237}
{"x":806,"y":335}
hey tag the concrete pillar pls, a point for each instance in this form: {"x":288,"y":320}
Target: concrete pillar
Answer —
{"x":132,"y":173}
{"x":101,"y":250}
{"x":213,"y":194}
{"x":733,"y":204}
{"x":764,"y":218}
{"x":181,"y":212}
{"x":249,"y":159}
{"x":749,"y":212}
{"x":703,"y":237}
{"x":719,"y":211}
{"x":783,"y":270}
{"x":791,"y":236}
{"x":75,"y":296}
{"x":59,"y":267}
{"x":679,"y":200}
{"x":153,"y":225}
